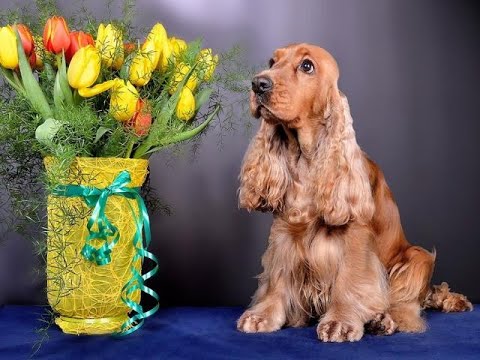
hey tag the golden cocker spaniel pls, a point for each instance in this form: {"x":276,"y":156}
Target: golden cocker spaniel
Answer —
{"x":336,"y":249}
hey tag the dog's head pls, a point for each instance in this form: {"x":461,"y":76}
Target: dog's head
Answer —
{"x":296,"y":86}
{"x":305,"y":116}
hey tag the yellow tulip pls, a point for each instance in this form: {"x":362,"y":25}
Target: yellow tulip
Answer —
{"x":181,"y":70}
{"x":123,"y":97}
{"x":166,"y":57}
{"x":110,"y":44}
{"x":8,"y":49}
{"x":84,"y":67}
{"x":141,"y":69}
{"x":178,"y":46}
{"x":146,"y":60}
{"x":186,"y":105}
{"x":123,"y":100}
{"x":153,"y":46}
{"x":207,"y":63}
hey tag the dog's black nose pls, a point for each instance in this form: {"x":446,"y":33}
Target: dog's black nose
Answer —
{"x":261,"y":84}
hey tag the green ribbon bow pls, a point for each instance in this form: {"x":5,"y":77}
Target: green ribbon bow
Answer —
{"x":109,"y":234}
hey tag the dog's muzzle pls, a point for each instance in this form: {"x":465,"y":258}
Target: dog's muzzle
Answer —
{"x":261,"y":85}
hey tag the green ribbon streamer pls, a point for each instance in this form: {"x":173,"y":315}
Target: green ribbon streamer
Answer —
{"x":107,"y":232}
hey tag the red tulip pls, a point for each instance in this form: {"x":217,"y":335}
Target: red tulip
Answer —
{"x":141,"y":121}
{"x":26,"y":37}
{"x":56,"y":36}
{"x":78,"y":39}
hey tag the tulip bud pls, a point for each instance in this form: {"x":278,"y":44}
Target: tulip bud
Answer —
{"x":32,"y":60}
{"x":142,"y":119}
{"x":84,"y":67}
{"x":181,"y":70}
{"x":110,"y":44}
{"x":123,"y":100}
{"x":26,"y":37}
{"x":56,"y":36}
{"x":178,"y":46}
{"x":207,"y":63}
{"x":128,"y":48}
{"x":78,"y":39}
{"x":8,"y":48}
{"x":141,"y":69}
{"x":186,"y":105}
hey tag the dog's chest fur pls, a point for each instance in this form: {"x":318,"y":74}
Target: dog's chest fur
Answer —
{"x":299,"y":206}
{"x":318,"y":248}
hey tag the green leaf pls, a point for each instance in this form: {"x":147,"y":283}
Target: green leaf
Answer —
{"x":62,"y":94}
{"x":58,"y":97}
{"x":47,"y":131}
{"x":33,"y":91}
{"x":64,"y":85}
{"x":186,"y":135}
{"x":12,"y":80}
{"x":202,"y":97}
{"x":100,"y":132}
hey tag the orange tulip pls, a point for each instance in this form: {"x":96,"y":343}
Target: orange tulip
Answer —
{"x":26,"y":37}
{"x":56,"y":36}
{"x":128,"y":48}
{"x":142,"y":120}
{"x":78,"y":40}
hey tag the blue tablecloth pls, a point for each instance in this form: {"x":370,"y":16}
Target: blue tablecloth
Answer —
{"x":209,"y":333}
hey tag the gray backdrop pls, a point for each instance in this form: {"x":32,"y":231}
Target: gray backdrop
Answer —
{"x":411,"y":72}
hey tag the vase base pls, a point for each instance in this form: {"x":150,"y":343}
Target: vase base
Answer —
{"x":94,"y":326}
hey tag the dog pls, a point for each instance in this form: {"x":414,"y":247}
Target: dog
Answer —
{"x":337,"y":251}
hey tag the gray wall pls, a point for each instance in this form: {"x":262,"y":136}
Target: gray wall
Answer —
{"x":411,"y":72}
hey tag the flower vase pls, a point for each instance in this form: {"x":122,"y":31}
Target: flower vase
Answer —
{"x":86,"y":274}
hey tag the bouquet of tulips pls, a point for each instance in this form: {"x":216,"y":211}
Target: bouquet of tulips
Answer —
{"x":98,"y":95}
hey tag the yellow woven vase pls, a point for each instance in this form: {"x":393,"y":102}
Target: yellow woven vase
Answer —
{"x":87,"y":296}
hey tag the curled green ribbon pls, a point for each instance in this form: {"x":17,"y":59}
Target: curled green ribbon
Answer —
{"x":108,"y":233}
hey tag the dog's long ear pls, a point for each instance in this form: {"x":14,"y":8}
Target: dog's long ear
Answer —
{"x":264,"y":177}
{"x":343,"y":190}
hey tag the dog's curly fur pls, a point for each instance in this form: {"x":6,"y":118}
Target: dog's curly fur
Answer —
{"x":336,"y":248}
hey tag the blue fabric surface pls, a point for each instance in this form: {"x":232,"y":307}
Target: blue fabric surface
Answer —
{"x":209,"y":333}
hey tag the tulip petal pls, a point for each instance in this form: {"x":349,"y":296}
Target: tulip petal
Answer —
{"x":123,"y":101}
{"x":84,"y":67}
{"x":97,"y":89}
{"x":8,"y":48}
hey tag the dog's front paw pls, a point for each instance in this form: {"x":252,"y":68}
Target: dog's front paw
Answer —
{"x":381,"y":324}
{"x":251,"y":322}
{"x":338,"y":331}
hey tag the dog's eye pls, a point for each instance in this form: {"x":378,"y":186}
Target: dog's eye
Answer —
{"x":270,"y":63}
{"x":307,"y":66}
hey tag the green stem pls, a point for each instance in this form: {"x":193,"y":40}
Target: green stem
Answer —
{"x":59,"y":60}
{"x":130,"y":145}
{"x":77,"y":99}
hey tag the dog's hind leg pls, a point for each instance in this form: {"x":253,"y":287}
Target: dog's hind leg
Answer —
{"x":409,"y":285}
{"x":442,"y":299}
